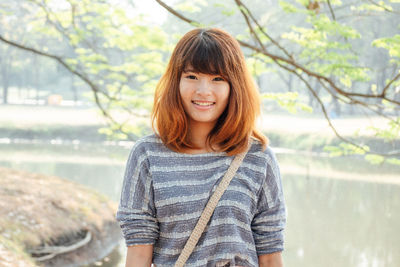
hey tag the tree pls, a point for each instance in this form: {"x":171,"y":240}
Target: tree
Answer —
{"x":5,"y":58}
{"x":321,"y":52}
{"x":117,"y":58}
{"x":320,"y":46}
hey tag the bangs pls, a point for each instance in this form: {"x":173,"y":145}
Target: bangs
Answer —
{"x":204,"y":55}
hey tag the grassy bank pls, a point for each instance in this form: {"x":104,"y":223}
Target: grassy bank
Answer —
{"x":39,"y":211}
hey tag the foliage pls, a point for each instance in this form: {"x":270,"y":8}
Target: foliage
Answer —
{"x":334,"y":53}
{"x":331,"y":57}
{"x":289,"y":101}
{"x":118,"y":57}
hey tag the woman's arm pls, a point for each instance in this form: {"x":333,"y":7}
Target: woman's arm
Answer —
{"x":139,"y":256}
{"x":270,"y":260}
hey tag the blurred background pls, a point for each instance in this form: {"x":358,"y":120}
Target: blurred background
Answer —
{"x":77,"y":80}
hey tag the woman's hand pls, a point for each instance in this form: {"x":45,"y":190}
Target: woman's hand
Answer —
{"x":139,"y":256}
{"x":270,"y":260}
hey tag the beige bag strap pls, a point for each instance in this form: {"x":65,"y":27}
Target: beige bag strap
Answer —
{"x":209,"y":209}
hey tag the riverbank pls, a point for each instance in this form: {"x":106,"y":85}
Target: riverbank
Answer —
{"x":46,"y":215}
{"x":305,"y":132}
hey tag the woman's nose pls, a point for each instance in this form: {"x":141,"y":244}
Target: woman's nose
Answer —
{"x":203,"y":87}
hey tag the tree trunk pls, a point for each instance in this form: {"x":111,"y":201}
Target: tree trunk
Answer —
{"x":311,"y":99}
{"x":73,"y":88}
{"x":5,"y":79}
{"x":5,"y":92}
{"x":36,"y":78}
{"x":336,"y":106}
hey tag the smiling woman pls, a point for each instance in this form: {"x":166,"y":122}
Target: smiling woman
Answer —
{"x":205,"y":107}
{"x":216,"y":55}
{"x":204,"y":98}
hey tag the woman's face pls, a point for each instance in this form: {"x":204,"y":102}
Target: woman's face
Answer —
{"x":204,"y":97}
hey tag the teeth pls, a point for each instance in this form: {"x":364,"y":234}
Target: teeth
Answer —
{"x":203,"y":103}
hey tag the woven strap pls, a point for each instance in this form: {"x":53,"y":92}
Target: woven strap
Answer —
{"x":208,"y":210}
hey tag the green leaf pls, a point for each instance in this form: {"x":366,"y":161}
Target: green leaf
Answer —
{"x":303,"y":2}
{"x":393,"y":160}
{"x":334,"y":151}
{"x":375,"y":159}
{"x":228,"y":13}
{"x":288,"y":101}
{"x":187,"y":7}
{"x":392,"y":44}
{"x":346,"y":149}
{"x":288,"y":8}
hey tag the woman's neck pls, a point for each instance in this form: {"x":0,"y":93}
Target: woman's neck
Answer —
{"x":198,"y":134}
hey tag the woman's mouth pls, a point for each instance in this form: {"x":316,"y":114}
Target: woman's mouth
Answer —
{"x":203,"y":103}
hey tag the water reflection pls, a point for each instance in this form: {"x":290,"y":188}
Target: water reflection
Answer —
{"x":112,"y":260}
{"x":341,"y":223}
{"x":96,"y":166}
{"x":331,"y":222}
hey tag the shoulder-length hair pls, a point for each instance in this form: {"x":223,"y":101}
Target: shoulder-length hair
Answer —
{"x":209,"y":51}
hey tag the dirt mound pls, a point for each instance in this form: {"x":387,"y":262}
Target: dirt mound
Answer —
{"x":41,"y":211}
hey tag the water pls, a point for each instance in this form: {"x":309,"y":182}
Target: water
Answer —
{"x":341,"y":212}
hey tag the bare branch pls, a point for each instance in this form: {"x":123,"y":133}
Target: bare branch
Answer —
{"x":92,"y":86}
{"x":363,"y":104}
{"x":73,"y":10}
{"x":331,"y":10}
{"x":316,"y":75}
{"x":177,"y":14}
{"x":389,"y":84}
{"x":249,"y":25}
{"x":383,"y":7}
{"x":260,"y":28}
{"x":56,"y":24}
{"x":289,"y":61}
{"x":324,"y":111}
{"x":389,"y":100}
{"x":294,"y":69}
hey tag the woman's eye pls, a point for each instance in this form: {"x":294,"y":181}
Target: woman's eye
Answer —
{"x":191,"y":77}
{"x":218,"y":79}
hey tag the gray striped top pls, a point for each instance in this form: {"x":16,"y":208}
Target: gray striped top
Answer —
{"x":164,"y":193}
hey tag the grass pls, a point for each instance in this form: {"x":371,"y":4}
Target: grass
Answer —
{"x":12,"y":254}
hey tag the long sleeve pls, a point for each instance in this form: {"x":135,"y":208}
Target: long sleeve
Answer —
{"x":136,"y":212}
{"x":270,"y":218}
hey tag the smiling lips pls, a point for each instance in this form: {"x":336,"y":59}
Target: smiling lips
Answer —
{"x":203,"y":103}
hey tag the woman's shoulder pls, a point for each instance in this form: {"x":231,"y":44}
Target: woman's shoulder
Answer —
{"x":265,"y":158}
{"x":262,"y":156}
{"x":147,"y":143}
{"x":261,"y":150}
{"x":147,"y":140}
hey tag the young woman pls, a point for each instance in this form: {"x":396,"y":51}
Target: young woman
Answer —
{"x":204,"y":114}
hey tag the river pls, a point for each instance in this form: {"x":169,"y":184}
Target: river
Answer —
{"x":341,"y":211}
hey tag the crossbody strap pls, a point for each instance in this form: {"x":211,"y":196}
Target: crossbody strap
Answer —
{"x":209,"y":209}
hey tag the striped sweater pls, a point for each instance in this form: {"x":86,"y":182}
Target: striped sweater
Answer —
{"x":164,"y":193}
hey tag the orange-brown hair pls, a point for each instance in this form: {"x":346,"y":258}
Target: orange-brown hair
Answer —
{"x":209,"y":51}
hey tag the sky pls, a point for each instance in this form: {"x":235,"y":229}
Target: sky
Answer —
{"x":152,"y":10}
